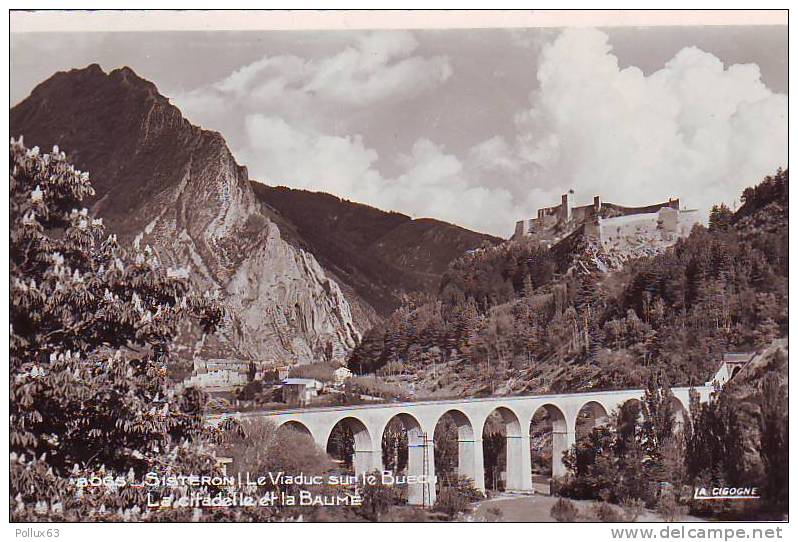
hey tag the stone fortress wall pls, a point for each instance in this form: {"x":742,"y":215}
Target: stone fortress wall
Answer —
{"x":615,"y":226}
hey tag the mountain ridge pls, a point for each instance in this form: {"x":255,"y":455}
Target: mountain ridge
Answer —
{"x":162,"y":181}
{"x":294,"y":292}
{"x":523,"y":317}
{"x":384,"y":255}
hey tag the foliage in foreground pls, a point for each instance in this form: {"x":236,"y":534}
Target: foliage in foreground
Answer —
{"x":631,"y":458}
{"x":737,"y":439}
{"x":456,"y":497}
{"x":92,"y":326}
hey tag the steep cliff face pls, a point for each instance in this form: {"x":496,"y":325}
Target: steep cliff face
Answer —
{"x":164,"y":182}
{"x":380,"y":256}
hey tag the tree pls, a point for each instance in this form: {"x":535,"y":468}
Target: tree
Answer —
{"x":445,"y":439}
{"x":773,"y":442}
{"x":628,"y":460}
{"x":378,"y":499}
{"x":720,"y":218}
{"x":395,"y":446}
{"x":341,"y":444}
{"x":587,"y":305}
{"x":593,"y":465}
{"x":258,"y":447}
{"x":715,"y":449}
{"x":92,"y":326}
{"x":658,"y":423}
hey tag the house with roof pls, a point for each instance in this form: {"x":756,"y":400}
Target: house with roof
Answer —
{"x":300,"y":391}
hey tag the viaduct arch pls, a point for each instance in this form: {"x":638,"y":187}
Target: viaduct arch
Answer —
{"x":419,"y":419}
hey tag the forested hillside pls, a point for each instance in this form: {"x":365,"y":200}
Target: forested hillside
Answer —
{"x":510,"y":319}
{"x":382,"y":255}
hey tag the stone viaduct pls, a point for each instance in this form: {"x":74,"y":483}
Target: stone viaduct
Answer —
{"x":368,"y":423}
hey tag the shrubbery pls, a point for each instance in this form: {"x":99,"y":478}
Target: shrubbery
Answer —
{"x":457,"y":497}
{"x":374,"y":387}
{"x":669,"y":507}
{"x":564,"y":511}
{"x":642,"y":449}
{"x":607,"y":513}
{"x":258,"y":447}
{"x":378,"y":499}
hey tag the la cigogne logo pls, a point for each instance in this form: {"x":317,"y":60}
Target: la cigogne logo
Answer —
{"x":720,"y":493}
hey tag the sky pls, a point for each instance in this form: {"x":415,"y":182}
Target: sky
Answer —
{"x":474,"y":127}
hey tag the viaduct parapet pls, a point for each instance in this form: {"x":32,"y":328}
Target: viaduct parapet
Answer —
{"x":368,"y":423}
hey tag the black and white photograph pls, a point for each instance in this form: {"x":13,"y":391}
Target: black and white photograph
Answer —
{"x":500,"y":267}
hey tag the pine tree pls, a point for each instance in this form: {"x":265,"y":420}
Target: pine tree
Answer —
{"x":588,"y":309}
{"x":715,"y":449}
{"x":773,"y":441}
{"x":720,"y":218}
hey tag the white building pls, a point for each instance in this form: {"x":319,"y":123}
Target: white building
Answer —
{"x":300,"y":391}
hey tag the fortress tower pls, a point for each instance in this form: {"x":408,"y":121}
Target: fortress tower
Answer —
{"x":567,"y":205}
{"x":599,"y":217}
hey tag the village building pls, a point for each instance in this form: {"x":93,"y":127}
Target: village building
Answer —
{"x":341,"y":375}
{"x":300,"y":391}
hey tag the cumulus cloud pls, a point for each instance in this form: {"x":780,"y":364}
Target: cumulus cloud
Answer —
{"x":434,"y":183}
{"x":286,"y":118}
{"x":692,"y":129}
{"x":377,"y":69}
{"x":695,"y":129}
{"x":282,"y":153}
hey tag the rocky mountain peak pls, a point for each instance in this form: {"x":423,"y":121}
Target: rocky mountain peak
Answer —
{"x":162,"y":181}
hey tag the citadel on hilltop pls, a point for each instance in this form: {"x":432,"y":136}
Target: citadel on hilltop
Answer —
{"x":614,"y":226}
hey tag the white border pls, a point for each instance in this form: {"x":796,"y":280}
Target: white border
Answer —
{"x":136,"y":21}
{"x":285,"y":20}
